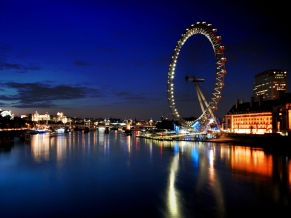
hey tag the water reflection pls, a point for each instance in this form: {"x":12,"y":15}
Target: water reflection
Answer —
{"x":181,"y":179}
{"x":238,"y":158}
{"x":203,"y":158}
{"x":215,"y":183}
{"x":40,"y":147}
{"x":251,"y":160}
{"x":245,"y":163}
{"x":173,"y":193}
{"x":128,"y":143}
{"x":101,"y":137}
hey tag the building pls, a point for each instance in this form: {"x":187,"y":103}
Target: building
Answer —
{"x":271,"y":116}
{"x":6,"y":113}
{"x":37,"y":117}
{"x":270,"y":84}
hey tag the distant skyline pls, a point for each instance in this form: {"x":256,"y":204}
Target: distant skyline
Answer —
{"x":110,"y":58}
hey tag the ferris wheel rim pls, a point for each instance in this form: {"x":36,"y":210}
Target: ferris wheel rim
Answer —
{"x":210,"y":33}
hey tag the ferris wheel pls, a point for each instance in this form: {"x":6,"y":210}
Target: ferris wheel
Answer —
{"x":196,"y":75}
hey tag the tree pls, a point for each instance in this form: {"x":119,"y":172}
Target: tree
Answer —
{"x":165,"y":124}
{"x":17,"y":122}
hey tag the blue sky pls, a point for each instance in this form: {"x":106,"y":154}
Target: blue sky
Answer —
{"x":96,"y":59}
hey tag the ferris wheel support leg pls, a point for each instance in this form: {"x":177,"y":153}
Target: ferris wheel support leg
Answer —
{"x":199,"y":96}
{"x":204,"y":100}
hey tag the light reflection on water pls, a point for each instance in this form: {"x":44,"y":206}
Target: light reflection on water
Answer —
{"x":173,"y":193}
{"x":122,"y":175}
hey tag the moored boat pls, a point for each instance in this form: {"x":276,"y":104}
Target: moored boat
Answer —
{"x":101,"y":128}
{"x":86,"y":129}
{"x":60,"y":130}
{"x":78,"y":128}
{"x":41,"y":130}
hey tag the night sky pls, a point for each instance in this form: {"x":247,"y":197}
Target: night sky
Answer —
{"x":102,"y":59}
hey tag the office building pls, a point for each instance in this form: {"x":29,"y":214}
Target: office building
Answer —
{"x":269,"y":85}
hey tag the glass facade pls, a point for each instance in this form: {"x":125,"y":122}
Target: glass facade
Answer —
{"x":270,"y":84}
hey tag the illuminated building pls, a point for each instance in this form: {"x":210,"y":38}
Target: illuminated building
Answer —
{"x":7,"y":113}
{"x":36,"y":116}
{"x":270,"y":84}
{"x":260,"y":117}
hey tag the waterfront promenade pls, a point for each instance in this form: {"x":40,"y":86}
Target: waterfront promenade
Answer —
{"x":273,"y":142}
{"x":251,"y":139}
{"x":269,"y":142}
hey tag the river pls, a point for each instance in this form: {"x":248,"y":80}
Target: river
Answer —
{"x":113,"y":175}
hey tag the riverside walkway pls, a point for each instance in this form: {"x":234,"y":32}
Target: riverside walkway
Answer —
{"x":268,"y":141}
{"x":181,"y":136}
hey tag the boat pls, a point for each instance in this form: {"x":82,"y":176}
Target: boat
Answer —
{"x":32,"y":132}
{"x":86,"y":129}
{"x":41,"y":130}
{"x":67,"y":129}
{"x":60,"y":130}
{"x":101,"y":128}
{"x":77,"y":128}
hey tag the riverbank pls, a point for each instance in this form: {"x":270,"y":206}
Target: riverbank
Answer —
{"x":253,"y":138}
{"x":269,"y":142}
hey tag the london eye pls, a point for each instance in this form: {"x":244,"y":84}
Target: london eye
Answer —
{"x":196,"y":75}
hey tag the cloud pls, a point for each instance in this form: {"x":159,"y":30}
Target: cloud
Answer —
{"x":14,"y":66}
{"x":31,"y":95}
{"x":46,"y":104}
